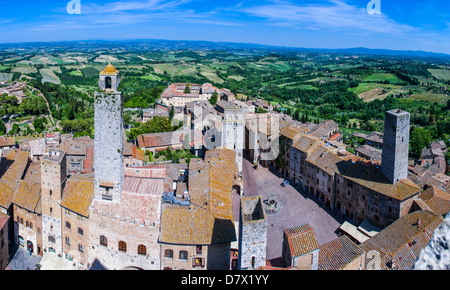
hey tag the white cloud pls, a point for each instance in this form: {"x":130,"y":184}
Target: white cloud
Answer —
{"x":334,"y":15}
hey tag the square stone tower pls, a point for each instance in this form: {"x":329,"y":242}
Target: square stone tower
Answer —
{"x":233,"y":133}
{"x":108,"y":143}
{"x":53,"y":178}
{"x":252,"y":234}
{"x":394,"y":159}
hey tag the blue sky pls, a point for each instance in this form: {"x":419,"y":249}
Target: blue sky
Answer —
{"x":402,"y":24}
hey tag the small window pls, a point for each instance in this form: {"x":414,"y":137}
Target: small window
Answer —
{"x":168,"y":254}
{"x":122,"y":246}
{"x":68,"y":241}
{"x":103,"y":241}
{"x":80,"y":248}
{"x":142,"y":250}
{"x":68,"y":225}
{"x":80,"y":231}
{"x":183,"y":255}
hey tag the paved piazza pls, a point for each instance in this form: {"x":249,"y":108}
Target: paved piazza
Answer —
{"x":296,"y":208}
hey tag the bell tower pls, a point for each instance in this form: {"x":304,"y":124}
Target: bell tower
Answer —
{"x":108,"y":143}
{"x":109,"y":78}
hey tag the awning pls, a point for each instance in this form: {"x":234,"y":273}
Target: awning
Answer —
{"x":368,"y":229}
{"x":352,"y":231}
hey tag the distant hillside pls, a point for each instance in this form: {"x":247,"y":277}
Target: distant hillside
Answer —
{"x":162,"y":44}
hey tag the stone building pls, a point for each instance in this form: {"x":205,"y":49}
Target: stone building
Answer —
{"x":363,"y":192}
{"x":53,"y":177}
{"x":300,"y":151}
{"x":300,"y":249}
{"x":179,"y":94}
{"x":252,"y":234}
{"x":288,"y":136}
{"x":125,"y":211}
{"x":395,"y":145}
{"x":108,"y":141}
{"x":4,"y":241}
{"x":7,"y":143}
{"x":197,"y":230}
{"x":124,"y":234}
{"x":233,"y":133}
{"x":320,"y":168}
{"x":77,"y":198}
{"x":27,"y":211}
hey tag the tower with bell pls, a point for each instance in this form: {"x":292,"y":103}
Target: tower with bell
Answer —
{"x":109,"y":137}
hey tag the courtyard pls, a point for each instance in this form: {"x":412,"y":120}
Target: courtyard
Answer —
{"x":294,"y":207}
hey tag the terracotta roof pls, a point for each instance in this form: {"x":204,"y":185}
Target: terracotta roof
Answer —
{"x":292,"y":131}
{"x":160,"y":139}
{"x":436,"y":199}
{"x":10,"y":179}
{"x":337,"y":254}
{"x":301,"y":240}
{"x":403,"y":240}
{"x":306,"y":142}
{"x":324,"y":128}
{"x":78,"y":195}
{"x":194,"y":227}
{"x":211,"y":181}
{"x":28,"y":191}
{"x":7,"y":141}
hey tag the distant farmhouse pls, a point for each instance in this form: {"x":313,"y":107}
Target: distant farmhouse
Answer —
{"x":179,"y":94}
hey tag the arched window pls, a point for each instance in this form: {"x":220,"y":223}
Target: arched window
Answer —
{"x":142,"y":250}
{"x":183,"y":255}
{"x":122,"y":246}
{"x":103,"y":241}
{"x":107,"y":82}
{"x":68,"y":225}
{"x":168,"y":254}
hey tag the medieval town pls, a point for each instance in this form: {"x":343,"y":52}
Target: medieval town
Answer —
{"x":260,"y":191}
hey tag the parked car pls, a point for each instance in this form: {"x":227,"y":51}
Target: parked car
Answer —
{"x":285,"y":183}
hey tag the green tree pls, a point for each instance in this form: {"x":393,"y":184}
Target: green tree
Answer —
{"x":171,"y":113}
{"x":213,"y":100}
{"x":420,"y":138}
{"x":2,"y":128}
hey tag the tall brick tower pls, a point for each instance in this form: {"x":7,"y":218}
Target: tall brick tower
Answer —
{"x":394,"y":159}
{"x":108,"y":144}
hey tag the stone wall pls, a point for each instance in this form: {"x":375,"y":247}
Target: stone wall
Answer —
{"x":108,"y":145}
{"x":395,"y":145}
{"x":77,"y":237}
{"x":252,"y":234}
{"x":132,"y":232}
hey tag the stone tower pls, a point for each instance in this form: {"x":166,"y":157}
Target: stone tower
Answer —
{"x":53,"y":177}
{"x":394,"y":160}
{"x":108,"y":144}
{"x":233,"y":133}
{"x":252,"y":234}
